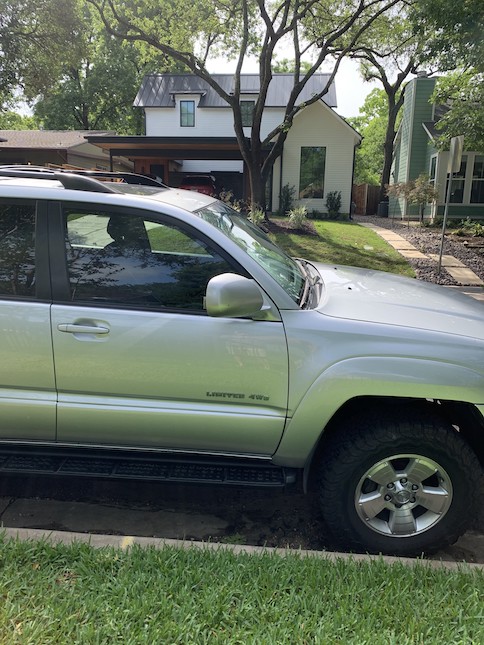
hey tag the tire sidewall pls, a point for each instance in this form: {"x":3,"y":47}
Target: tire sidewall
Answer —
{"x":443,"y":531}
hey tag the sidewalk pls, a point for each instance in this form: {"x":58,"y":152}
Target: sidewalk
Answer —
{"x":472,"y":285}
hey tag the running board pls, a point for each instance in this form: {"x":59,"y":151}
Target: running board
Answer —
{"x":163,"y":468}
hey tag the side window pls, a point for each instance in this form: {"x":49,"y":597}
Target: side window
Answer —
{"x":17,"y":250}
{"x":247,"y":113}
{"x":131,"y":261}
{"x":187,"y":114}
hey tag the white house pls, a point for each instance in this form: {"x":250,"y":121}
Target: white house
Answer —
{"x":189,"y":129}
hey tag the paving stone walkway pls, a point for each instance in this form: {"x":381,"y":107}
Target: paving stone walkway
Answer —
{"x":455,"y":267}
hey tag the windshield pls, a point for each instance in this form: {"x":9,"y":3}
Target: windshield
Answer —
{"x":257,"y":244}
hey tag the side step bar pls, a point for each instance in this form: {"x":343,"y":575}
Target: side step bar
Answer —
{"x":146,"y":467}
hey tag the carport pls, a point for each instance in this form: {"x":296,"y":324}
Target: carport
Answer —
{"x":163,"y":156}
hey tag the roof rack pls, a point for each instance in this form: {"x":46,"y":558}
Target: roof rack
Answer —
{"x":100,"y":175}
{"x":70,"y":181}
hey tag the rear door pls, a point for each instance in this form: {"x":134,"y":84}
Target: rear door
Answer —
{"x":139,"y":363}
{"x":27,"y":389}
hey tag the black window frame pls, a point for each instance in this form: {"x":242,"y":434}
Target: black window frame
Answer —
{"x":188,"y":115}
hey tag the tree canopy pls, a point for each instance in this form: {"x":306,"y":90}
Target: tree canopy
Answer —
{"x":463,"y":94}
{"x":33,"y":43}
{"x":453,"y":32}
{"x":372,"y":123}
{"x":194,"y":31}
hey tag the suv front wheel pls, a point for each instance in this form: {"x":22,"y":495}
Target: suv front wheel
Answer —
{"x":402,"y":487}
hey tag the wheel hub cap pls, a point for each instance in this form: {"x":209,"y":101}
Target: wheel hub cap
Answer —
{"x":403,"y":495}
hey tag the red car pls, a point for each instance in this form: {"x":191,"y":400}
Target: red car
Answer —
{"x":200,"y":183}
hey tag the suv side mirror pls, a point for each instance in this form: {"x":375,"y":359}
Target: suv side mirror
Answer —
{"x":233,"y":296}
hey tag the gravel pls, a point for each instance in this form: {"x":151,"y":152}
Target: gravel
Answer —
{"x":427,"y":241}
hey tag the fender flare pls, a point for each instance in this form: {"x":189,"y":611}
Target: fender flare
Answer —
{"x":377,"y":376}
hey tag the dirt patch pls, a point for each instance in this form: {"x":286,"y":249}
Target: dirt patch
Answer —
{"x":286,"y":519}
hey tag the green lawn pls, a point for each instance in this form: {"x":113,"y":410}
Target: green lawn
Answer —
{"x":77,"y":594}
{"x":344,"y":243}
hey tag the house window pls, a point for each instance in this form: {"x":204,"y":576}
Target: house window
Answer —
{"x":247,"y":113}
{"x":311,"y":176}
{"x":433,"y":169}
{"x":458,"y":180}
{"x":477,"y":188}
{"x":187,"y":114}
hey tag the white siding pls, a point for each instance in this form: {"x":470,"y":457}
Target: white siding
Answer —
{"x":318,"y":125}
{"x":209,"y":122}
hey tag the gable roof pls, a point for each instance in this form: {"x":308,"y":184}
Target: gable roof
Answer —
{"x":45,"y":139}
{"x":158,"y":90}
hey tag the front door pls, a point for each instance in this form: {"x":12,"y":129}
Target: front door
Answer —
{"x":139,"y":363}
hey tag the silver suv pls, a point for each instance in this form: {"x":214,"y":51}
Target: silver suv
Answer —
{"x":156,"y":333}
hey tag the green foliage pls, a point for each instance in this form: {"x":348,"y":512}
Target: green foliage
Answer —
{"x":257,"y":216}
{"x":470,"y":227}
{"x":13,"y":121}
{"x":333,"y":203}
{"x":453,"y":32}
{"x":344,"y":243}
{"x":286,"y":199}
{"x":417,"y":191}
{"x":78,"y":594}
{"x":37,"y":38}
{"x":97,"y":92}
{"x":298,"y":217}
{"x":227,"y":196}
{"x":463,"y":93}
{"x":371,"y":123}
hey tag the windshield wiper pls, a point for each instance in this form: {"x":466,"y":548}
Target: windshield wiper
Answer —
{"x":310,"y":280}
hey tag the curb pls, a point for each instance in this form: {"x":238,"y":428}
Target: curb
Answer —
{"x":124,"y":542}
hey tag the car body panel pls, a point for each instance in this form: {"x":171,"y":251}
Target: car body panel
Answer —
{"x":383,"y":298}
{"x":133,"y":384}
{"x":27,"y":384}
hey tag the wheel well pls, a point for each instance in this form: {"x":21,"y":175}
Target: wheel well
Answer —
{"x":464,"y":417}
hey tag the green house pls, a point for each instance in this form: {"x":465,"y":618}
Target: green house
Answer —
{"x":415,"y":153}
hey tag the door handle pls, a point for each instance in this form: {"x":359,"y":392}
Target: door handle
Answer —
{"x":72,"y":328}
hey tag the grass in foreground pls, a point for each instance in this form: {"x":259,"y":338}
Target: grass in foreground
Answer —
{"x":77,"y":594}
{"x":344,"y":243}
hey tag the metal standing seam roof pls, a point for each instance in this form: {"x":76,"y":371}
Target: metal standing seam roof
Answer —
{"x":159,"y":90}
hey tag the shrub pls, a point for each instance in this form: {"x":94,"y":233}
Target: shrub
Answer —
{"x":227,"y":196}
{"x":298,"y":216}
{"x":470,"y":227}
{"x":333,"y":203}
{"x":286,"y":199}
{"x":257,"y":216}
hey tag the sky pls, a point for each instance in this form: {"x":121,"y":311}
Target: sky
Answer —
{"x":351,"y":90}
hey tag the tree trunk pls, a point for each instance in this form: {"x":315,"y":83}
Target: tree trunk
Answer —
{"x":388,"y":148}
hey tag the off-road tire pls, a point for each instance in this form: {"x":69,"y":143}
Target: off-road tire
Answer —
{"x":378,"y":444}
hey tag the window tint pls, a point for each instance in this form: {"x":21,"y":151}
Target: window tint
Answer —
{"x":17,"y":250}
{"x":131,"y":261}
